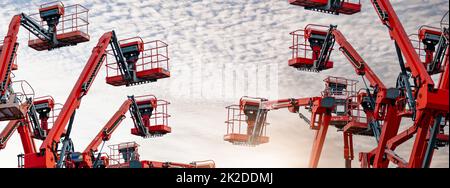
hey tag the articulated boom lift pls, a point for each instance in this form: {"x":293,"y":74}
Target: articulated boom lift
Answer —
{"x":379,"y":102}
{"x":152,"y":121}
{"x":48,"y":156}
{"x":48,"y":38}
{"x":21,"y":125}
{"x":126,"y":155}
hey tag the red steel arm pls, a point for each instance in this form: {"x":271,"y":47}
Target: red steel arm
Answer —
{"x":46,"y":156}
{"x":401,"y":138}
{"x":79,"y":90}
{"x":389,"y":130}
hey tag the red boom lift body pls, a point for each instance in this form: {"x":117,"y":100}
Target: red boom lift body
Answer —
{"x":330,"y":6}
{"x":255,"y":110}
{"x":429,"y":105}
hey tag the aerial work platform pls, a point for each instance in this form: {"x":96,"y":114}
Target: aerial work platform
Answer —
{"x":330,"y":6}
{"x":307,"y":50}
{"x":69,"y":25}
{"x":145,"y":62}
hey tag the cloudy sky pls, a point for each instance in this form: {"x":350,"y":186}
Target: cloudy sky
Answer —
{"x":219,"y":50}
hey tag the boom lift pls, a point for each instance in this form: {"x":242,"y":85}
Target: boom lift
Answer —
{"x":126,"y":155}
{"x":142,"y":62}
{"x":10,"y":128}
{"x":48,"y":153}
{"x":42,"y":115}
{"x":26,"y":127}
{"x":49,"y":37}
{"x":151,"y":122}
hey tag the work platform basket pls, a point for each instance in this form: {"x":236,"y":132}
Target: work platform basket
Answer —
{"x":330,"y":6}
{"x":156,"y":121}
{"x":149,"y":65}
{"x":306,"y":47}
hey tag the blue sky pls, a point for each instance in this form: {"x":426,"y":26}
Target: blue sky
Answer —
{"x":209,"y":40}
